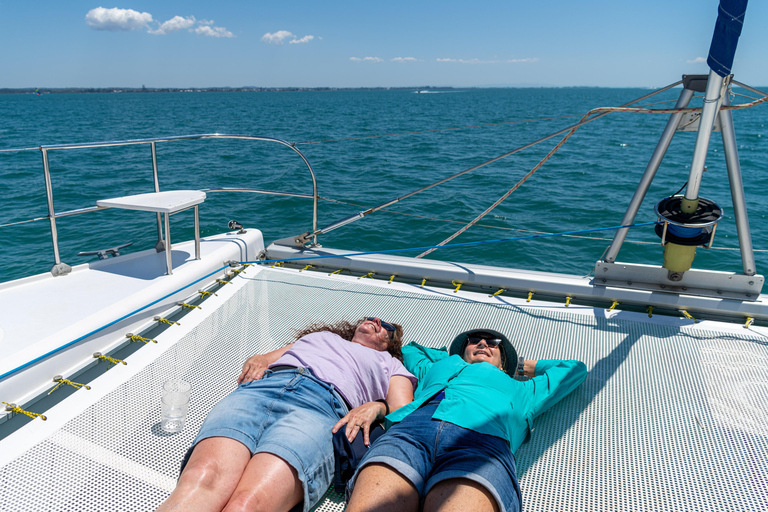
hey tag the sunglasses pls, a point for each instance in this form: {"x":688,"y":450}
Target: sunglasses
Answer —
{"x":491,"y":342}
{"x":386,"y":325}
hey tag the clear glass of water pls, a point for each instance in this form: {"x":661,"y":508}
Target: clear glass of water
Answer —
{"x":174,"y":405}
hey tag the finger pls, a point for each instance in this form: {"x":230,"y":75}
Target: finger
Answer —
{"x":242,"y":376}
{"x":352,"y":430}
{"x":366,"y":434}
{"x":339,"y":424}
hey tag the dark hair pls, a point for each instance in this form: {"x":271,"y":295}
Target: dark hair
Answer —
{"x":346,"y":330}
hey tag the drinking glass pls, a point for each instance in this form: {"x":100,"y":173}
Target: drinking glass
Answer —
{"x":175,"y":404}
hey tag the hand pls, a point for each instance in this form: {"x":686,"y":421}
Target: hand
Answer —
{"x":361,"y":418}
{"x":530,"y":368}
{"x":253,"y":368}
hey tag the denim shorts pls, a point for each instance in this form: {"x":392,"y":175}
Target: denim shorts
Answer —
{"x":288,"y":413}
{"x":427,"y":451}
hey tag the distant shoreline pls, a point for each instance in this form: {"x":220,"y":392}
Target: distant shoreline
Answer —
{"x":111,"y":90}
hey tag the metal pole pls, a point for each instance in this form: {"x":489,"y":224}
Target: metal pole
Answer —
{"x":168,"y":259}
{"x":58,"y":268}
{"x":650,"y":172}
{"x":159,"y":245}
{"x":737,"y":190}
{"x":712,"y":100}
{"x":197,"y":234}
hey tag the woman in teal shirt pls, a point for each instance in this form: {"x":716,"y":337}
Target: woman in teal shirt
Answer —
{"x":451,"y":448}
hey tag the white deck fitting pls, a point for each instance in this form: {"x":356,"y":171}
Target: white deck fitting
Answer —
{"x":673,"y":415}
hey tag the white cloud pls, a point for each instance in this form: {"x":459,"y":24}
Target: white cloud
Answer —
{"x":405,"y":59}
{"x":478,"y":61}
{"x":304,"y":39}
{"x":366,"y":59}
{"x":697,"y":60}
{"x":280,"y":36}
{"x":211,"y":31}
{"x":115,"y":19}
{"x":277,"y":38}
{"x":173,"y":25}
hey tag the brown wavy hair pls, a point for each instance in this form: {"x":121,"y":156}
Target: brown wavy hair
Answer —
{"x":346,"y":330}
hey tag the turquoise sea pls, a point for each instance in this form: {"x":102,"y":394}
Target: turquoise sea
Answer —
{"x":586,"y":185}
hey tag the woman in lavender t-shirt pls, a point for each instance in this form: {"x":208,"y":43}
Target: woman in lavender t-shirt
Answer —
{"x":268,"y":445}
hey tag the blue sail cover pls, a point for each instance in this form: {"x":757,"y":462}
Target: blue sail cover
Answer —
{"x":730,"y":19}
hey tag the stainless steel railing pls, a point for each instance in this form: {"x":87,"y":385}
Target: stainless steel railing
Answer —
{"x":60,"y":268}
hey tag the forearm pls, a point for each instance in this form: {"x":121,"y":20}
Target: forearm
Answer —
{"x":254,"y":366}
{"x":274,"y":355}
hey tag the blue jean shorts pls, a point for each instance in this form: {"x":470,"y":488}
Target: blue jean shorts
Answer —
{"x":427,"y":451}
{"x":288,"y":413}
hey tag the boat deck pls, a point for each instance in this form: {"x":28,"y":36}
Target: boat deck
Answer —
{"x":673,"y":414}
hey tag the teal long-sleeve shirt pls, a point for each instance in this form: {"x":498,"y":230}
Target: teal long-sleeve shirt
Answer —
{"x":483,"y":398}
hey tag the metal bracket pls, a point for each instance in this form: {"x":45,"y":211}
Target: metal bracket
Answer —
{"x":298,"y":241}
{"x":60,"y":269}
{"x":104,"y":253}
{"x":703,"y":283}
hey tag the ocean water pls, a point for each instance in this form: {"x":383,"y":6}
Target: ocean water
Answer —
{"x":587,"y":184}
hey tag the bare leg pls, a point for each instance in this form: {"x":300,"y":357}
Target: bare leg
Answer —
{"x":269,"y":484}
{"x":210,"y":476}
{"x":380,"y":488}
{"x":459,"y":495}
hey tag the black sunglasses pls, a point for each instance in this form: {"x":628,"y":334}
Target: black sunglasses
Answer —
{"x":491,"y":342}
{"x":386,"y":325}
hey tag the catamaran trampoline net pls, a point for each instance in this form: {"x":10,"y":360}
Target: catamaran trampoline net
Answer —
{"x":669,"y":418}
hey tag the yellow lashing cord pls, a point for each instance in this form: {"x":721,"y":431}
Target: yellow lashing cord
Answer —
{"x":498,"y":292}
{"x":368,"y":275}
{"x":567,"y":301}
{"x":340,"y":271}
{"x":391,"y":278}
{"x":166,"y":321}
{"x":650,"y":311}
{"x":15,"y":408}
{"x":61,"y":380}
{"x":221,"y":281}
{"x":613,"y":306}
{"x":136,"y":337}
{"x":205,"y":293}
{"x":422,"y":282}
{"x":688,"y":315}
{"x":457,"y":285}
{"x":530,"y":294}
{"x":279,"y":264}
{"x":749,"y":322}
{"x":110,"y":360}
{"x":237,"y":271}
{"x":188,"y":306}
{"x":307,"y":267}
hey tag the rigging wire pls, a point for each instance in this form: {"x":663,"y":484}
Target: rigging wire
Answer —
{"x":585,"y":119}
{"x":604,"y":111}
{"x":519,"y":230}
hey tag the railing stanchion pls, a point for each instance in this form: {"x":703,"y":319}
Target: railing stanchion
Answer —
{"x":159,"y":245}
{"x":59,"y":268}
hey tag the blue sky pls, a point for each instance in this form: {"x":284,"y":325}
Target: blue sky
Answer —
{"x":303,"y":43}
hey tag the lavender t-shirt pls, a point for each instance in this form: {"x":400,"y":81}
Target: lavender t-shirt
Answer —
{"x":360,"y":374}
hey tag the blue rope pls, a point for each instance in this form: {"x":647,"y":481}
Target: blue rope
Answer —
{"x":30,"y":363}
{"x":464,"y":244}
{"x":387,"y":251}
